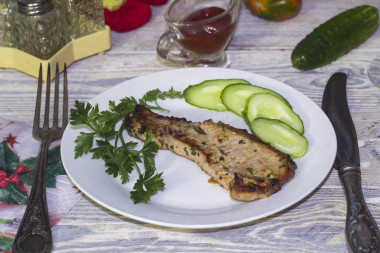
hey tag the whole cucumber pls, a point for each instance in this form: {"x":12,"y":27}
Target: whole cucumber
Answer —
{"x":335,"y":37}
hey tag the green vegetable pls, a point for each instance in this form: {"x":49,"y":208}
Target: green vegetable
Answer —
{"x":121,"y":158}
{"x":268,"y":106}
{"x":280,"y":136}
{"x":336,"y":37}
{"x":207,"y":94}
{"x":235,"y":96}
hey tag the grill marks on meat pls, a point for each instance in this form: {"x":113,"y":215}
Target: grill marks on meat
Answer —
{"x":235,"y":159}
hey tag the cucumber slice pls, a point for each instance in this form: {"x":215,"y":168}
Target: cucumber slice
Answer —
{"x":235,"y":96}
{"x":280,"y":136}
{"x":207,"y":94}
{"x":268,"y":106}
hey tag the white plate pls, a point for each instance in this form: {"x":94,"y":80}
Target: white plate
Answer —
{"x":188,"y":200}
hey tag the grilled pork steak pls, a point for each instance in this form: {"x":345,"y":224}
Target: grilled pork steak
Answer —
{"x":235,"y":159}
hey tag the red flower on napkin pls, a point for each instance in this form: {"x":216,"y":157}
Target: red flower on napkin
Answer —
{"x":131,"y":15}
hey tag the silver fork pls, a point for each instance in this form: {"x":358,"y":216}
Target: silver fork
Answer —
{"x":34,"y":233}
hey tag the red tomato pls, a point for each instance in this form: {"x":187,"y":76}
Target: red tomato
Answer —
{"x":277,"y":10}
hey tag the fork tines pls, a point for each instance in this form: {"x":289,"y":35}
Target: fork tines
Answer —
{"x":36,"y":123}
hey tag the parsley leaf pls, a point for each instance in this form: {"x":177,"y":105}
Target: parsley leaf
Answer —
{"x":146,"y":186}
{"x":121,"y":158}
{"x":154,"y":95}
{"x":198,"y":129}
{"x":80,"y":115}
{"x":83,"y":143}
{"x":149,"y":151}
{"x":125,"y":107}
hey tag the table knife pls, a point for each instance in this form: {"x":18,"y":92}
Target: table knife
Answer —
{"x":362,"y":232}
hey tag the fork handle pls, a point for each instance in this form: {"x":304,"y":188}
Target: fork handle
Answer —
{"x":34,"y":233}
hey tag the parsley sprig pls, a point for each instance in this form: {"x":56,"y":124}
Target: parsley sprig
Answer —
{"x":121,"y":157}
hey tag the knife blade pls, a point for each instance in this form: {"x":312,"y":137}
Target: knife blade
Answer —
{"x":362,"y":232}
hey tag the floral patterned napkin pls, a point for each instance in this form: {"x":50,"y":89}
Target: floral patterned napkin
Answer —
{"x":18,"y":156}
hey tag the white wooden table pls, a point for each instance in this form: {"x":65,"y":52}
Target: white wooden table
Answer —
{"x":316,"y":224}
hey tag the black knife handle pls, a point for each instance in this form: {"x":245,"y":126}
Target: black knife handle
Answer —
{"x":361,"y":229}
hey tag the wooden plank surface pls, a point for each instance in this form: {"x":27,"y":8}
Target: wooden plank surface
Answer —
{"x":316,"y":224}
